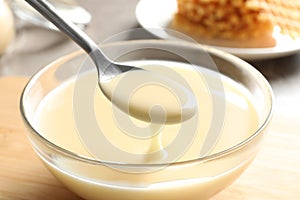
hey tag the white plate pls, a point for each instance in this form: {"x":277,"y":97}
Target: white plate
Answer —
{"x":156,"y":15}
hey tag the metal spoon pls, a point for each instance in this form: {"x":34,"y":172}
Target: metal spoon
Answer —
{"x":107,"y":69}
{"x":83,"y":40}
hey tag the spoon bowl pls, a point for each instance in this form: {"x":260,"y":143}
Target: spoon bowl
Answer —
{"x":108,"y":69}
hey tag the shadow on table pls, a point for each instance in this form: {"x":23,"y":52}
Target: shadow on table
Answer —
{"x":279,"y":68}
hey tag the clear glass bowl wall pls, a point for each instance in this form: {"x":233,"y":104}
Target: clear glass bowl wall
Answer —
{"x":90,"y":179}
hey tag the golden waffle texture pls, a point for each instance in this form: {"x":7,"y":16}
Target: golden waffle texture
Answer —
{"x":286,"y":14}
{"x":238,"y":23}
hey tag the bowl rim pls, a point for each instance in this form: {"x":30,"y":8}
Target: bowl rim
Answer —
{"x":218,"y":53}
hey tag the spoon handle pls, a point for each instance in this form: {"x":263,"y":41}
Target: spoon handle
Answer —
{"x":71,"y":30}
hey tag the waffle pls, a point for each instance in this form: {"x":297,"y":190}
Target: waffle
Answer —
{"x":286,"y":14}
{"x":237,"y":23}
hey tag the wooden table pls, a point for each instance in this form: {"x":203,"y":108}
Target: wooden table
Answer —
{"x":274,"y":174}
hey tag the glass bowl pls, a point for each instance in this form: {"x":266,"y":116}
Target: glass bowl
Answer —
{"x":196,"y":178}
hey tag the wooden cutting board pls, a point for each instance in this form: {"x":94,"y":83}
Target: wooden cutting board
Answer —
{"x":274,"y":175}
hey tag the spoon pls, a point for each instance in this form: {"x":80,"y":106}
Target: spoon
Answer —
{"x":83,"y":40}
{"x":108,"y":69}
